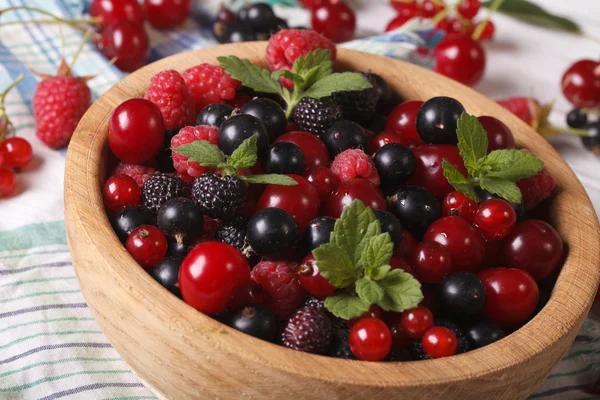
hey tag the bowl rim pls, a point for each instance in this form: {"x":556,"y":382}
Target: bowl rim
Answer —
{"x":83,"y":179}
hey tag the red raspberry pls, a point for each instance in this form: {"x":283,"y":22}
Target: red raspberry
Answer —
{"x":280,"y":281}
{"x":59,"y":102}
{"x":354,"y":163}
{"x":188,"y":135}
{"x":210,"y":84}
{"x":536,"y":188}
{"x":140,"y":173}
{"x":309,"y":330}
{"x":168,"y":91}
{"x":289,"y":44}
{"x":526,"y":108}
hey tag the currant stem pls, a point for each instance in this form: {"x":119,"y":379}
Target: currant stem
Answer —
{"x":55,"y":19}
{"x":481,"y":26}
{"x":3,"y":116}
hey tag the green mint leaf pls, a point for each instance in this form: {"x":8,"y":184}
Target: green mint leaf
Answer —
{"x":335,"y":265}
{"x":458,"y":180}
{"x":316,"y":73}
{"x":369,"y":290}
{"x":401,"y":291}
{"x":472,"y":141}
{"x":311,"y":60}
{"x":353,"y":230}
{"x":250,"y":75}
{"x":245,"y":155}
{"x":287,"y":74}
{"x":377,"y":252}
{"x":379,"y":272}
{"x":503,"y":188}
{"x":511,"y":165}
{"x":269,"y":179}
{"x":202,"y":152}
{"x":346,"y":306}
{"x":337,"y":82}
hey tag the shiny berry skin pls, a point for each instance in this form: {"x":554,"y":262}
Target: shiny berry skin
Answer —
{"x":533,"y":246}
{"x":469,"y":8}
{"x":361,"y":189}
{"x":461,"y":58}
{"x":382,"y":138}
{"x":167,"y":14}
{"x":16,"y":152}
{"x":336,"y":21}
{"x":344,"y":135}
{"x":512,"y":295}
{"x":407,"y":245}
{"x":210,"y":274}
{"x":577,"y":119}
{"x":397,"y":22}
{"x":581,"y":83}
{"x":166,"y":272}
{"x":136,"y":131}
{"x":301,"y":200}
{"x":518,"y":207}
{"x":439,"y":342}
{"x":269,"y":113}
{"x":436,"y":120}
{"x":483,"y":333}
{"x":180,"y":217}
{"x":273,"y":233}
{"x":373,"y":312}
{"x":124,"y":222}
{"x":390,"y":224}
{"x":395,"y":164}
{"x":111,"y":11}
{"x":462,"y":295}
{"x":397,"y":262}
{"x":8,"y":182}
{"x":311,"y":279}
{"x":488,"y":31}
{"x":120,"y":192}
{"x":147,"y":245}
{"x":317,"y":233}
{"x":406,"y":8}
{"x":495,"y":219}
{"x":284,"y":158}
{"x":430,"y":8}
{"x":429,"y":172}
{"x":416,"y":208}
{"x":127,"y":42}
{"x":255,"y":320}
{"x":499,"y":135}
{"x":315,"y":152}
{"x":416,"y":321}
{"x":403,"y":119}
{"x":323,"y":180}
{"x":431,"y":262}
{"x":240,"y":127}
{"x":370,"y":340}
{"x":214,"y":114}
{"x":457,"y":204}
{"x":463,"y":241}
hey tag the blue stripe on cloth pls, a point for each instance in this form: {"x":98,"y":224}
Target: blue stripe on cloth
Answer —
{"x":53,"y":347}
{"x":41,"y":308}
{"x":32,"y":267}
{"x":557,"y":390}
{"x":86,"y":388}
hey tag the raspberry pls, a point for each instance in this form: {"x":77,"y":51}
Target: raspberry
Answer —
{"x":314,"y":116}
{"x":354,"y":163}
{"x":289,"y":44}
{"x":536,"y":188}
{"x":58,"y":104}
{"x":168,"y":91}
{"x":140,"y":173}
{"x":526,"y":108}
{"x":280,"y":281}
{"x":161,"y":187}
{"x":210,"y":84}
{"x":308,"y":330}
{"x":218,"y":196}
{"x":188,"y":135}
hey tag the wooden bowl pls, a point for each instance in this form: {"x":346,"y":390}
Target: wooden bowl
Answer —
{"x":182,"y":354}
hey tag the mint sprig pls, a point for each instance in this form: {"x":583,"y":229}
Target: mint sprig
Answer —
{"x":312,"y":76}
{"x":356,"y":260}
{"x":245,"y":156}
{"x":496,"y":172}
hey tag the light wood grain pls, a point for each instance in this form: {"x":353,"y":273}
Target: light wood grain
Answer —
{"x":183,"y":354}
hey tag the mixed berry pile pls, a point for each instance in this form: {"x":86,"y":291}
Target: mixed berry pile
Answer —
{"x":316,"y":210}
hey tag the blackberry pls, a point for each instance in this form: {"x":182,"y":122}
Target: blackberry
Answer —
{"x":464,"y":344}
{"x":233,"y":232}
{"x":340,"y":347}
{"x":358,"y":105}
{"x":384,"y":91}
{"x":314,"y":116}
{"x":315,"y":303}
{"x":417,"y":352}
{"x":219,"y":197}
{"x":160,"y":188}
{"x":307,"y":330}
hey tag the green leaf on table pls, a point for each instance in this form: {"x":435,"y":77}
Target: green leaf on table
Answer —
{"x":401,"y":291}
{"x":506,"y":189}
{"x":245,"y":155}
{"x":458,"y":180}
{"x":202,"y":152}
{"x":346,"y":306}
{"x":472,"y":141}
{"x":337,"y":82}
{"x":335,"y":265}
{"x":269,"y":179}
{"x":369,"y":290}
{"x":249,"y":74}
{"x":511,"y":165}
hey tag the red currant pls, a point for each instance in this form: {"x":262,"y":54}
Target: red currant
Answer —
{"x":468,"y":8}
{"x":431,"y":262}
{"x":397,"y":22}
{"x":457,"y":204}
{"x":1,"y":156}
{"x":495,"y":219}
{"x":461,"y":58}
{"x":8,"y":182}
{"x":312,"y":3}
{"x":247,"y":293}
{"x":335,"y":21}
{"x":301,"y":200}
{"x":429,"y":172}
{"x":534,"y":246}
{"x":147,"y":245}
{"x":406,"y":246}
{"x":512,"y":295}
{"x":430,"y":8}
{"x":17,"y":152}
{"x":499,"y":135}
{"x":400,"y":263}
{"x":136,"y":131}
{"x":370,"y":340}
{"x":121,"y":191}
{"x":403,"y":119}
{"x":311,"y":279}
{"x":324,"y":181}
{"x":374,"y":312}
{"x":240,"y":100}
{"x":361,"y":189}
{"x":167,"y":14}
{"x":406,"y":8}
{"x":383,"y":138}
{"x":488,"y":31}
{"x":315,"y":152}
{"x":417,"y":321}
{"x":463,"y":241}
{"x":581,"y":83}
{"x":210,"y":275}
{"x":400,"y":339}
{"x":111,"y":11}
{"x":439,"y":342}
{"x":127,"y":42}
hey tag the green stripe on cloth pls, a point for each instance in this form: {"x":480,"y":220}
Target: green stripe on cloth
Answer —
{"x":33,"y":235}
{"x":41,"y":334}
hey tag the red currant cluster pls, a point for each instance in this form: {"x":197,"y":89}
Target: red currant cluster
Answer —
{"x":333,"y":19}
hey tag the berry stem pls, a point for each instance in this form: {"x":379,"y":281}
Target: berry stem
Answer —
{"x":55,"y":18}
{"x":481,"y":26}
{"x":3,"y":116}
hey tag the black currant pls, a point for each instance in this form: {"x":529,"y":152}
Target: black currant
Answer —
{"x":376,"y":124}
{"x":239,"y":128}
{"x":518,"y":207}
{"x":592,"y":142}
{"x":260,"y":17}
{"x":436,"y":120}
{"x":164,"y":158}
{"x":395,"y":164}
{"x":238,"y":32}
{"x":273,"y":233}
{"x":180,"y":216}
{"x":127,"y":220}
{"x":166,"y":273}
{"x":269,"y":113}
{"x":344,"y":135}
{"x":576,"y":118}
{"x":214,"y":114}
{"x":317,"y":233}
{"x":390,"y":224}
{"x":256,"y":320}
{"x":416,"y":208}
{"x":462,"y":295}
{"x":384,"y":90}
{"x":177,"y":246}
{"x":483,"y":333}
{"x":284,"y":158}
